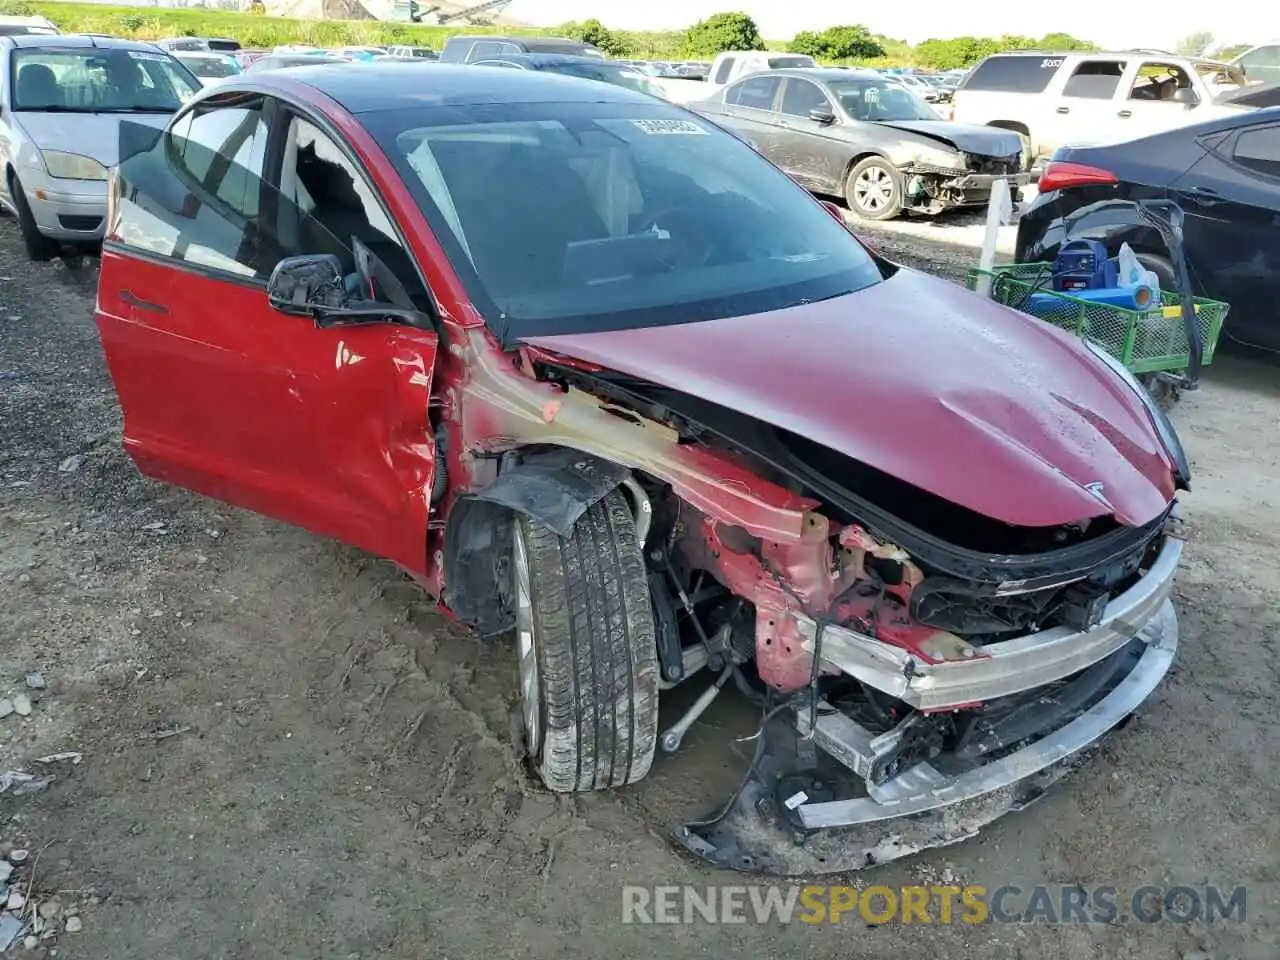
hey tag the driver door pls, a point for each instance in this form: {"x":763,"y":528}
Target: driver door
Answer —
{"x":324,"y":428}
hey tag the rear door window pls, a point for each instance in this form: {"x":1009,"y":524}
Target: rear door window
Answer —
{"x":1258,"y":149}
{"x":1020,"y":74}
{"x":486,"y":48}
{"x":1095,"y":79}
{"x":757,"y":92}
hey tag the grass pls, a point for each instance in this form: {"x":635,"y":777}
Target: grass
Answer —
{"x":264,"y":32}
{"x":253,"y":31}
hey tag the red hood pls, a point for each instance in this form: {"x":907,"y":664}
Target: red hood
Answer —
{"x":923,"y":380}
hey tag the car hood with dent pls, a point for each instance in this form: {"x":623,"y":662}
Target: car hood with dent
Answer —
{"x":94,"y":135}
{"x":967,"y":137}
{"x":971,"y":401}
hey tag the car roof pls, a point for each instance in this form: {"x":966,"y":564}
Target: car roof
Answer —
{"x":551,"y":59}
{"x":80,"y":41}
{"x":817,"y":73}
{"x":381,"y":86}
{"x":1090,"y":54}
{"x":531,"y":44}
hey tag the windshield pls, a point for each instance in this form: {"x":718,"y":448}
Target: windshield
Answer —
{"x":609,"y":73}
{"x":642,"y":215}
{"x":210,"y":67}
{"x":871,"y":98}
{"x":99,"y":80}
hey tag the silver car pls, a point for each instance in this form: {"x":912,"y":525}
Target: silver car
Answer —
{"x":62,"y":99}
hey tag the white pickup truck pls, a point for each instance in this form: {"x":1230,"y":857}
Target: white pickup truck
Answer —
{"x":728,"y":67}
{"x":1053,"y":100}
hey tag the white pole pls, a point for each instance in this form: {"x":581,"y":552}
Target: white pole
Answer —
{"x":999,"y":212}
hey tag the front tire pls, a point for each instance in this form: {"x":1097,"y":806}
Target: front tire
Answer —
{"x":38,"y":246}
{"x":873,"y":189}
{"x":587,"y":650}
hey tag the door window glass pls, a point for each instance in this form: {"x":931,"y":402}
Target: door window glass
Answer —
{"x":1259,"y":149}
{"x":800,"y":97}
{"x":723,"y":71}
{"x":1162,"y":82}
{"x":1019,"y":73}
{"x":755,"y":92}
{"x":1095,"y":80}
{"x":195,"y":196}
{"x":485,"y":48}
{"x":327,"y":205}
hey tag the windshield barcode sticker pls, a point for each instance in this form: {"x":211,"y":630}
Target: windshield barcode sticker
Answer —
{"x":669,"y":128}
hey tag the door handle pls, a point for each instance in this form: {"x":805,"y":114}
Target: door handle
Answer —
{"x":1064,"y":110}
{"x":1125,"y":113}
{"x":131,"y":298}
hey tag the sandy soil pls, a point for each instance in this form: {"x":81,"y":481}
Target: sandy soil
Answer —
{"x":343,"y":784}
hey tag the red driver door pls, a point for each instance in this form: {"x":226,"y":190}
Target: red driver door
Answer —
{"x":323,"y":427}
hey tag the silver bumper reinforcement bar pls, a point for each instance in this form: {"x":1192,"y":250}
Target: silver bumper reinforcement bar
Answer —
{"x":923,"y":788}
{"x":979,"y":674}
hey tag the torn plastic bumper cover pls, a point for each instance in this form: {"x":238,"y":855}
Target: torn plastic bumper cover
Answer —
{"x":822,"y":803}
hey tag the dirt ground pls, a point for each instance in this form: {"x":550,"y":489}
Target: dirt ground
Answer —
{"x":339,"y":780}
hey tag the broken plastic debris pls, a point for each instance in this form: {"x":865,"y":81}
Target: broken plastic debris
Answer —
{"x":35,"y":680}
{"x":55,"y":757}
{"x":11,"y":928}
{"x":19,"y":784}
{"x":795,"y":800}
{"x":22,"y":704}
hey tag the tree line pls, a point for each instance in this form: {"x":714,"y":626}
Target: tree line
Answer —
{"x":839,"y":44}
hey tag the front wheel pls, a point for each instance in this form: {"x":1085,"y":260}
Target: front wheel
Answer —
{"x":587,"y":652}
{"x":38,"y":246}
{"x":874,"y":189}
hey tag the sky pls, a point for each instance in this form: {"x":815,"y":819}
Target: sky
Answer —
{"x":1123,"y":25}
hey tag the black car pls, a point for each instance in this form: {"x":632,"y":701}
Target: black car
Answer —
{"x":588,"y":68}
{"x":1225,"y":174}
{"x":469,"y":49}
{"x":854,"y":134}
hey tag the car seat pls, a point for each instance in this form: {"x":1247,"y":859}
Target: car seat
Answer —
{"x":38,"y":87}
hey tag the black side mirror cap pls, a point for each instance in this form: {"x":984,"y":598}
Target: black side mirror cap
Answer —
{"x":303,"y":285}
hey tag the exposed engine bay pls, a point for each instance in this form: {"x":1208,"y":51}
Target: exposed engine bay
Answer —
{"x":894,"y":633}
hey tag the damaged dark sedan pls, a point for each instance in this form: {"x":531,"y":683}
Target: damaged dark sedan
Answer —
{"x":853,"y":134}
{"x":661,"y":421}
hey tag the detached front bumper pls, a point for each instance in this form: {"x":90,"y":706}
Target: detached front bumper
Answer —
{"x":829,"y":799}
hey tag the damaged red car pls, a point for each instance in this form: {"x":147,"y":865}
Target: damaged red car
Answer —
{"x":619,"y":393}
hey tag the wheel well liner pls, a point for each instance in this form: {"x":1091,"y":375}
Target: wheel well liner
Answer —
{"x":555,"y":487}
{"x":864,"y":155}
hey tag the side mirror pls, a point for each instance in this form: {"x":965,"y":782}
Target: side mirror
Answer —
{"x":823,"y":115}
{"x":303,"y":285}
{"x":1186,"y":95}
